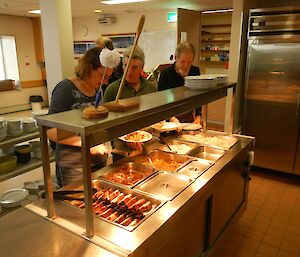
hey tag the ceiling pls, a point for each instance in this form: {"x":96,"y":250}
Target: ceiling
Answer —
{"x":85,"y":8}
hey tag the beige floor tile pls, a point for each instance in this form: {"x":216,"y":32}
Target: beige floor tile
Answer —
{"x":258,"y":226}
{"x":292,"y":238}
{"x":290,"y":247}
{"x":230,"y":247}
{"x":245,"y":252}
{"x":253,"y":234}
{"x":250,"y":243}
{"x":271,"y":240}
{"x":275,"y":232}
{"x":283,"y":253}
{"x":263,"y":219}
{"x":268,"y":250}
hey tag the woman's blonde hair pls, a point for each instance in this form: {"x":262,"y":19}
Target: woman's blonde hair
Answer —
{"x":88,"y":62}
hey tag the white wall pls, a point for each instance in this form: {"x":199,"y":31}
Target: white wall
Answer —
{"x":21,"y":28}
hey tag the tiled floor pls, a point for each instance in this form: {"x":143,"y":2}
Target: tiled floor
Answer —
{"x":271,"y":224}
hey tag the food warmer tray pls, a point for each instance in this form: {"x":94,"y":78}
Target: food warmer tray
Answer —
{"x":208,"y":153}
{"x":209,"y":139}
{"x":164,"y":185}
{"x":127,"y":174}
{"x":195,"y":168}
{"x":166,"y":159}
{"x":176,"y":142}
{"x":128,"y":193}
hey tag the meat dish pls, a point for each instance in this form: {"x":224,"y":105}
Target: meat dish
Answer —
{"x":127,"y":175}
{"x":118,"y":207}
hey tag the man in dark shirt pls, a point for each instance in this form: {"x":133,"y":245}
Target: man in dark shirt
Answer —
{"x":174,"y":75}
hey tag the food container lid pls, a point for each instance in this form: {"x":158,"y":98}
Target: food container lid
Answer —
{"x":164,"y":185}
{"x":14,"y":197}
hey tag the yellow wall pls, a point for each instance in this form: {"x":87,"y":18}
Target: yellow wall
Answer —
{"x":21,"y":28}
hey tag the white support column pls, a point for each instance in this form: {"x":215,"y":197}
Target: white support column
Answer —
{"x":235,"y":48}
{"x":56,"y":19}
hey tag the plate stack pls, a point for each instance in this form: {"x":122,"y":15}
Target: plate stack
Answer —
{"x":3,"y":129}
{"x":201,"y":82}
{"x":29,"y":125}
{"x":14,"y":128}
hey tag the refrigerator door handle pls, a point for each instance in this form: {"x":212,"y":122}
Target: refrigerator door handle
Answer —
{"x":298,"y":106}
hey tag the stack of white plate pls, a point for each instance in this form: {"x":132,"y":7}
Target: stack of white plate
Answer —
{"x":39,"y":113}
{"x":221,"y":78}
{"x":3,"y":129}
{"x":29,"y":125}
{"x":201,"y":82}
{"x":14,"y":128}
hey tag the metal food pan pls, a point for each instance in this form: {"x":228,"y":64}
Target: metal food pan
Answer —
{"x":208,"y":153}
{"x":192,"y":137}
{"x":171,"y":142}
{"x":195,"y":168}
{"x":118,"y":173}
{"x":164,"y":185}
{"x":155,"y":155}
{"x":156,"y":204}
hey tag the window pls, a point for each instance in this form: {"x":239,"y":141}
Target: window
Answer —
{"x":9,"y":71}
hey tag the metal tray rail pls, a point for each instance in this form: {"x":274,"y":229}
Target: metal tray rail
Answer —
{"x":137,"y":169}
{"x":231,"y":140}
{"x":104,"y":185}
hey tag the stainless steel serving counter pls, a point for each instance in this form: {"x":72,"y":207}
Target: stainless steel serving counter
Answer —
{"x":214,"y":198}
{"x":187,"y":225}
{"x":153,"y":108}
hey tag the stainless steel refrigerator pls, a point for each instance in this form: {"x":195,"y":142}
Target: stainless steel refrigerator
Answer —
{"x":272,"y":94}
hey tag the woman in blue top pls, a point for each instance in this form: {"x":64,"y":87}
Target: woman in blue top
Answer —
{"x":77,"y":93}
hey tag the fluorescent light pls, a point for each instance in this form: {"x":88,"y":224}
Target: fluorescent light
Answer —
{"x":35,"y":11}
{"x":218,"y":11}
{"x":122,"y":1}
{"x":98,"y":11}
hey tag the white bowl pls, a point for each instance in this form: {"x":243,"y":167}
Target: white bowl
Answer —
{"x":39,"y":113}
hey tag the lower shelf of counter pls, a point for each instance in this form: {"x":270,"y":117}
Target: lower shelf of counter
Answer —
{"x":23,"y":168}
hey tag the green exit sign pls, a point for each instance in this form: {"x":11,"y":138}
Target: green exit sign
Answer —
{"x":172,"y":16}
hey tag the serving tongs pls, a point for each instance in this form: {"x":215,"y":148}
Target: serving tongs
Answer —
{"x":66,"y":194}
{"x":165,"y":143}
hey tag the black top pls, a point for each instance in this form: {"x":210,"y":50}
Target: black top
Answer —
{"x":169,"y":78}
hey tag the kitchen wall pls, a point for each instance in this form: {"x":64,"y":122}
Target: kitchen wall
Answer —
{"x":89,"y":28}
{"x":21,"y":28}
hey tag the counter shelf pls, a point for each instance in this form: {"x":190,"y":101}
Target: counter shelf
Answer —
{"x":153,"y":108}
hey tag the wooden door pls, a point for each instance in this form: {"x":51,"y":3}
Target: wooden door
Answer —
{"x":189,"y":21}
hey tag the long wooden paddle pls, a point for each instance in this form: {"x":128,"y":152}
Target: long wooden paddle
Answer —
{"x":126,"y":104}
